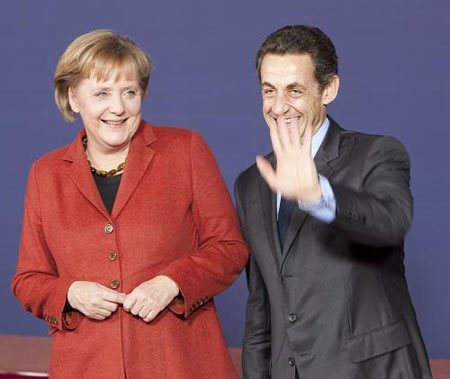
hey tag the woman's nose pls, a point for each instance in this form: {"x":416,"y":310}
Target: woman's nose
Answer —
{"x":116,"y":106}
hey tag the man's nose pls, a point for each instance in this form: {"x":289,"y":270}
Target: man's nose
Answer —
{"x":280,"y":106}
{"x":116,"y":106}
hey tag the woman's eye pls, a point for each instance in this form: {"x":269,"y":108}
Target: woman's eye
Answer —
{"x":130,"y":94}
{"x":101,"y":94}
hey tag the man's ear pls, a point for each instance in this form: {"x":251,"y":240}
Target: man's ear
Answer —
{"x":331,"y":90}
{"x":73,"y":101}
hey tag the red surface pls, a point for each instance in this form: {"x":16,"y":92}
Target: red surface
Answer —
{"x":194,"y":239}
{"x":21,"y":353}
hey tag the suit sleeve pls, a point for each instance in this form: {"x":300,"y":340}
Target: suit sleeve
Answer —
{"x":36,"y":283}
{"x":222,"y":253}
{"x":256,"y":352}
{"x":380,"y":213}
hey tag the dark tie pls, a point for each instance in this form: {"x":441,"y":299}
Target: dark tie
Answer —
{"x":284,"y":216}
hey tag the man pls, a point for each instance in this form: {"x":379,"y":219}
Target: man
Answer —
{"x":325,"y":215}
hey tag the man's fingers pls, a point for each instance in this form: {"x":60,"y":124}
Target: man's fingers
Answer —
{"x":266,"y":171}
{"x":275,"y":139}
{"x":307,"y":139}
{"x":295,"y":132}
{"x":283,"y":132}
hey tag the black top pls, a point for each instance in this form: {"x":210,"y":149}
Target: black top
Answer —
{"x":108,"y":187}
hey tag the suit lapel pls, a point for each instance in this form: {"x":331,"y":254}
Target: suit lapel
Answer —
{"x":298,"y":218}
{"x":269,"y":209}
{"x":328,"y":151}
{"x":138,"y":160}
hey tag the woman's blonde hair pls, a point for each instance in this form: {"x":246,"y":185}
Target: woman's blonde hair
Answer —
{"x":99,"y":53}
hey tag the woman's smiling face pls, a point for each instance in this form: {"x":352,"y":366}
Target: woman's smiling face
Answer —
{"x":110,"y":109}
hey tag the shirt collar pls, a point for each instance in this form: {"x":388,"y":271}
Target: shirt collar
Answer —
{"x":318,"y":138}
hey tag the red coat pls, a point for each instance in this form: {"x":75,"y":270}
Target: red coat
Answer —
{"x":172,"y":216}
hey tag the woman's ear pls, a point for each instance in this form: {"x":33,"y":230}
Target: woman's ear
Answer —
{"x":73,"y":101}
{"x":331,"y":90}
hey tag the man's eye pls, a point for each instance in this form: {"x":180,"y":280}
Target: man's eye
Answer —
{"x":296,"y":92}
{"x":268,"y":92}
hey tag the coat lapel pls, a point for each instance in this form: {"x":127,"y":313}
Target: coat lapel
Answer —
{"x":138,"y":160}
{"x":80,"y":174}
{"x":328,"y":151}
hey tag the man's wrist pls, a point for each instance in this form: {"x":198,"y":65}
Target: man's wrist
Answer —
{"x":311,"y":201}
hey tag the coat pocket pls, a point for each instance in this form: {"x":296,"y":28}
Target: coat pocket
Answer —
{"x":378,"y":342}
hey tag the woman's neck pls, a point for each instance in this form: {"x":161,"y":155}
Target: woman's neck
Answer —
{"x":106,"y":159}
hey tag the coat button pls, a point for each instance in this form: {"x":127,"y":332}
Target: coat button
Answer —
{"x":112,"y":255}
{"x":291,"y":361}
{"x":292,"y":317}
{"x":109,"y":228}
{"x":68,"y":318}
{"x":115,"y":284}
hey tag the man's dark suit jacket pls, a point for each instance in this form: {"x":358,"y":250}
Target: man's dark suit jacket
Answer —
{"x":334,"y":303}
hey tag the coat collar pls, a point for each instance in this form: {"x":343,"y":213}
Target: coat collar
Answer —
{"x":328,"y":152}
{"x":138,"y":160}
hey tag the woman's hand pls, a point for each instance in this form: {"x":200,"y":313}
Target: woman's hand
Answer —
{"x":94,"y":300}
{"x":151,"y":297}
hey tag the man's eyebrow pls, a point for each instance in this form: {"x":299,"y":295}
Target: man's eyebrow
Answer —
{"x":288,"y":87}
{"x":296,"y":85}
{"x":267,"y":84}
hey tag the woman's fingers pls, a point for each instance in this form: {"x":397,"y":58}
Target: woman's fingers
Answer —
{"x":103,"y":313}
{"x":113,"y":296}
{"x":137,"y":308}
{"x":108,"y":306}
{"x":93,"y":299}
{"x":146,"y":309}
{"x":150,"y":317}
{"x":129,"y":302}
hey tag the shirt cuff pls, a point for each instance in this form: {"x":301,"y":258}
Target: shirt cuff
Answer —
{"x":325,"y":209}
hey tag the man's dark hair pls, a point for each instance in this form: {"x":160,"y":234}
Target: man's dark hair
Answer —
{"x":302,"y":39}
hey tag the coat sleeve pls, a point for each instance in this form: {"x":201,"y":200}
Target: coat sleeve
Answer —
{"x":381,"y":212}
{"x":256,"y":351}
{"x":222,"y":253}
{"x":36,"y":283}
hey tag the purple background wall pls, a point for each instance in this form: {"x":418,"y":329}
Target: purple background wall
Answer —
{"x":394,"y":59}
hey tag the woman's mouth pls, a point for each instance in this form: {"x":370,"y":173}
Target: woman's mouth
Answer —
{"x":115,"y":123}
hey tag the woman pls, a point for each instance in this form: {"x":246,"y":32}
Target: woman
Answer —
{"x":128,"y":232}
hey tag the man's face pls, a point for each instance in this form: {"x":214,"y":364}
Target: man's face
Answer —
{"x":291,"y":93}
